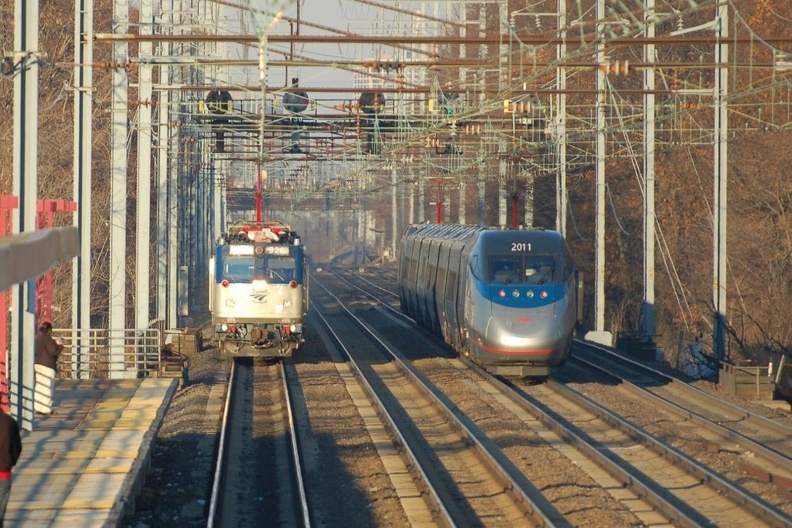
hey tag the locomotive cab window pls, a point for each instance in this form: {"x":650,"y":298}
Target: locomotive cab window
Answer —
{"x":238,"y":269}
{"x":505,"y":268}
{"x":280,"y":269}
{"x":525,"y":269}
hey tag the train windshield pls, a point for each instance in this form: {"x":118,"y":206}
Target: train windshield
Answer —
{"x":238,"y":269}
{"x":280,"y":269}
{"x":522,"y":269}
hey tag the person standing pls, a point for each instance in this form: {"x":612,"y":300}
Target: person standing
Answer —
{"x":47,"y":352}
{"x":10,"y":449}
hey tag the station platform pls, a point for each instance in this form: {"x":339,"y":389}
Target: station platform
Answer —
{"x":84,"y":465}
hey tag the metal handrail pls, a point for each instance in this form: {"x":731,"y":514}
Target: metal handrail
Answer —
{"x":109,"y":353}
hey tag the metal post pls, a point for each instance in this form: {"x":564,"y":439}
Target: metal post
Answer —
{"x":502,"y":192}
{"x":83,"y":178}
{"x":530,"y":183}
{"x":462,"y":188}
{"x":26,"y":116}
{"x":721,"y":178}
{"x":163,"y":146}
{"x":144,"y":140}
{"x":394,"y":215}
{"x":599,"y":334}
{"x":649,"y":175}
{"x":118,"y":185}
{"x":561,"y":82}
{"x":601,"y":124}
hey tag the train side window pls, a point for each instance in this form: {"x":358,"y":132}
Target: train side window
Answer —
{"x":475,"y":267}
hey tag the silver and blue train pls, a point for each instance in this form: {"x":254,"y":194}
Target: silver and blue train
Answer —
{"x":508,"y":299}
{"x":258,"y":290}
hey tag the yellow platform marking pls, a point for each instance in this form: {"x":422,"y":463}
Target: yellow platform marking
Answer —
{"x":88,"y":504}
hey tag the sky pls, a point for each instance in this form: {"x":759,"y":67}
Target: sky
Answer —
{"x":344,"y":15}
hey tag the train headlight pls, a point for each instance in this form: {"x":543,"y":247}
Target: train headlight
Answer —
{"x":230,"y":303}
{"x":543,"y":294}
{"x":296,"y":328}
{"x":223,"y":327}
{"x":259,"y":285}
{"x":515,"y":293}
{"x":529,"y":294}
{"x":501,"y":293}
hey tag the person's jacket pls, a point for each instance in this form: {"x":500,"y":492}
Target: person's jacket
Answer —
{"x":10,"y":442}
{"x":47,"y":351}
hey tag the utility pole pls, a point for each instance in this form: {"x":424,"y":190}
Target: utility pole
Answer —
{"x":648,"y":307}
{"x":26,"y":116}
{"x":721,"y":178}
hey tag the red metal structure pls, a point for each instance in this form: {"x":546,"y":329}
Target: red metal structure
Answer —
{"x":514,"y":207}
{"x":46,"y":217}
{"x":7,"y":206}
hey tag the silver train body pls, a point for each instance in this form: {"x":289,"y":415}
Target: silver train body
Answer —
{"x":258,"y":291}
{"x":506,"y":299}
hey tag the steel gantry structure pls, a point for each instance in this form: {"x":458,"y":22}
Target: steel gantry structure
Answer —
{"x":478,"y":99}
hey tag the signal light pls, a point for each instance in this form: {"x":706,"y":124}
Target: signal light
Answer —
{"x":293,"y":284}
{"x":224,"y":283}
{"x":519,"y":107}
{"x":616,"y":68}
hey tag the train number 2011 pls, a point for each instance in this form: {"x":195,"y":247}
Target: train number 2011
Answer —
{"x":521,"y":246}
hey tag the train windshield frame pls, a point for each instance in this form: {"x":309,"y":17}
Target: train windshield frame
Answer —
{"x":275,"y":269}
{"x":522,"y":269}
{"x":238,"y":268}
{"x":280,"y":269}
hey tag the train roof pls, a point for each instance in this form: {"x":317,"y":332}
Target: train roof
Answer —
{"x":270,"y":231}
{"x":540,"y":239}
{"x":462,"y":231}
{"x":442,"y":231}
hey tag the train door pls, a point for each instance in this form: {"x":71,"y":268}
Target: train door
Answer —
{"x":410,"y":275}
{"x":431,"y":286}
{"x":452,"y":294}
{"x":420,"y":280}
{"x":442,"y":283}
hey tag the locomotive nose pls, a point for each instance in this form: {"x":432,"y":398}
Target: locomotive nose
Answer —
{"x":518,"y":330}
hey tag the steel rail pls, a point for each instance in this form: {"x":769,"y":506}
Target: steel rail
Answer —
{"x":775,"y":456}
{"x":541,"y":508}
{"x":433,"y":497}
{"x":221,"y":447}
{"x":296,"y":459}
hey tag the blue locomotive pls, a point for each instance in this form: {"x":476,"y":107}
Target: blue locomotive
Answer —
{"x":508,"y":299}
{"x":258,"y":290}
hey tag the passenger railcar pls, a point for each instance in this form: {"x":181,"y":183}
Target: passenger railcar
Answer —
{"x":506,"y":299}
{"x":258,"y":290}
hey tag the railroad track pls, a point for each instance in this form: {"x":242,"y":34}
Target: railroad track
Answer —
{"x":386,"y":417}
{"x":714,"y":494}
{"x":468,"y":481}
{"x":259,"y":431}
{"x":750,"y":447}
